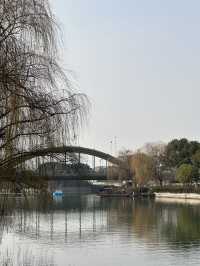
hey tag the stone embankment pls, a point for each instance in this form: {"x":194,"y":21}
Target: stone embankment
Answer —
{"x":178,"y":195}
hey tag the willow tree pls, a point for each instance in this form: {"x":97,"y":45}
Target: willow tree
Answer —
{"x":143,"y":167}
{"x":37,"y":103}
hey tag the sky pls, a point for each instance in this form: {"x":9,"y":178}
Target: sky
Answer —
{"x":138,"y":61}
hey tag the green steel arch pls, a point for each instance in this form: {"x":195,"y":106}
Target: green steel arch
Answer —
{"x":25,"y":156}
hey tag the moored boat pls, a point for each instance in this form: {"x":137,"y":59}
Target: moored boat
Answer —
{"x":113,"y":192}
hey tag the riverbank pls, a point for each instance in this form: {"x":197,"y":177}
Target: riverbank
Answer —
{"x":177,"y":195}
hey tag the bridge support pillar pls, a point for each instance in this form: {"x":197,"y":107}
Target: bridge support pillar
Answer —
{"x":79,"y":158}
{"x":94,"y":163}
{"x":106,"y":169}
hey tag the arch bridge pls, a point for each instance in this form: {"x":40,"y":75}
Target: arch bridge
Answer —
{"x":23,"y":157}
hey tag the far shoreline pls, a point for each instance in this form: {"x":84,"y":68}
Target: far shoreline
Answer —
{"x":170,"y":195}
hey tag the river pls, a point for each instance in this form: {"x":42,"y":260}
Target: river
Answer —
{"x":86,"y":230}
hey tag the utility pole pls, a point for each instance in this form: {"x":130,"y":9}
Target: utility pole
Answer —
{"x":115,"y":144}
{"x":111,"y":147}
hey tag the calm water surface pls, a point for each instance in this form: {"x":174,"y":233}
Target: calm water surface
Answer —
{"x":86,"y":230}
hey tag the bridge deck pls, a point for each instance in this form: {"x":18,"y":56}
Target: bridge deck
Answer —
{"x":65,"y":178}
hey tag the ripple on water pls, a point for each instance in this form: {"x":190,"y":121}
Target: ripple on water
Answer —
{"x":81,"y":231}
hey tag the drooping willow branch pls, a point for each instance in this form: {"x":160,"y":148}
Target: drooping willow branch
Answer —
{"x":37,"y":102}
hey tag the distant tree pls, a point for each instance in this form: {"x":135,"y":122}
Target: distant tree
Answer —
{"x":186,"y":173}
{"x":157,"y":152}
{"x":180,"y":152}
{"x":143,"y":167}
{"x":196,"y":159}
{"x":125,"y":156}
{"x":153,"y":148}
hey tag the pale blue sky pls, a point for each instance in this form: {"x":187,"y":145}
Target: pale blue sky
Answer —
{"x":138,"y":61}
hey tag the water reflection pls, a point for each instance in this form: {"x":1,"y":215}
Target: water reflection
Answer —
{"x":40,"y":231}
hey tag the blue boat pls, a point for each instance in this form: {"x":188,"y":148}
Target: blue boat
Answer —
{"x":58,"y":193}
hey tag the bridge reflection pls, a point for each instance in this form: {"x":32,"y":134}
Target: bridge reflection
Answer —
{"x":79,"y":218}
{"x":66,"y":220}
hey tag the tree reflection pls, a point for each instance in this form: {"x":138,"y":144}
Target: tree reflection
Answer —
{"x":180,"y":224}
{"x":24,"y":257}
{"x":75,"y":219}
{"x":175,"y":224}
